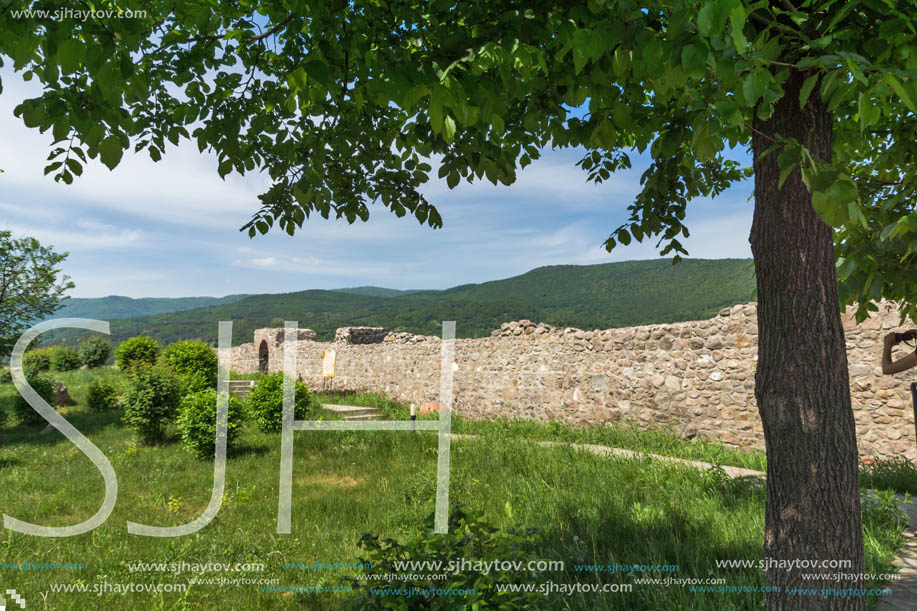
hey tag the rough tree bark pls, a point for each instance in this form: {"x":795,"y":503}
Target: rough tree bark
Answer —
{"x":801,"y":384}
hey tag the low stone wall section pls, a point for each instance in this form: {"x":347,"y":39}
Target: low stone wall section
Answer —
{"x":694,"y":378}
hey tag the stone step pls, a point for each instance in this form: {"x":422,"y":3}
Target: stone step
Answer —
{"x":353,"y":412}
{"x":241,"y":388}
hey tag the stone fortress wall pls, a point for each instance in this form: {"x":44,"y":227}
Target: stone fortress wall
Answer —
{"x":696,"y":378}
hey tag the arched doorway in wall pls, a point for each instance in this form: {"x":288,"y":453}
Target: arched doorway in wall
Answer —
{"x":262,"y":357}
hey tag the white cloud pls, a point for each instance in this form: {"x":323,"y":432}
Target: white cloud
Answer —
{"x":85,"y":239}
{"x":263,"y":262}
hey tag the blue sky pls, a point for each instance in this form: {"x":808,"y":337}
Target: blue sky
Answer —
{"x":170,"y":229}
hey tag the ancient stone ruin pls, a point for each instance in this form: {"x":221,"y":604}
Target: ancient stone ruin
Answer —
{"x":360,"y":335}
{"x":694,"y":378}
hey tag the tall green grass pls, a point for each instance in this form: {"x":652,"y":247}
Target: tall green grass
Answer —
{"x":591,"y":509}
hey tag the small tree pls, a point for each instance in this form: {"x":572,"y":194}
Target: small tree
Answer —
{"x":21,"y":408}
{"x":195,"y":361}
{"x":63,"y":358}
{"x":31,"y":285}
{"x":94,"y":351}
{"x":197,"y":422}
{"x":101,"y":396}
{"x":266,"y":402}
{"x":136,"y":351}
{"x":35,"y":362}
{"x":150,"y":401}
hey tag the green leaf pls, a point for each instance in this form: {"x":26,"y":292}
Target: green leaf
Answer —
{"x":869,"y":114}
{"x":436,"y":113}
{"x":730,"y":112}
{"x":317,"y":70}
{"x":845,"y":267}
{"x":110,"y":151}
{"x":297,"y":79}
{"x":905,"y":96}
{"x":652,"y":54}
{"x":224,"y":168}
{"x":821,"y":178}
{"x":587,"y":43}
{"x":737,"y":20}
{"x":706,"y":18}
{"x":856,"y":212}
{"x":693,"y":60}
{"x":53,"y":166}
{"x":448,"y":128}
{"x":497,"y":123}
{"x":755,"y":84}
{"x":70,"y":54}
{"x":807,"y":88}
{"x":75,"y":166}
{"x":843,"y":191}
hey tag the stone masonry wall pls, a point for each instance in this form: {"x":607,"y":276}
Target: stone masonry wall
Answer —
{"x":696,"y":378}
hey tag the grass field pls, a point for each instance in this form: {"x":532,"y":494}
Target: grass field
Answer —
{"x":588,"y":509}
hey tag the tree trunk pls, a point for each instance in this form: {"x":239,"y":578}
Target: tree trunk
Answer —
{"x":801,"y":384}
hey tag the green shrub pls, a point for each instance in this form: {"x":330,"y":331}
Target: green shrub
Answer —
{"x":150,"y":401}
{"x":197,"y":416}
{"x":21,"y":408}
{"x":469,"y":538}
{"x":95,"y":351}
{"x":63,"y":358}
{"x":140,"y":350}
{"x":195,"y":361}
{"x":6,"y":377}
{"x":102,"y":396}
{"x":35,"y":361}
{"x":266,"y":402}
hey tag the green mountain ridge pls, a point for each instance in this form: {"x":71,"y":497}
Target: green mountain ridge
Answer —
{"x":117,"y":306}
{"x":375,"y":291}
{"x":591,"y":297}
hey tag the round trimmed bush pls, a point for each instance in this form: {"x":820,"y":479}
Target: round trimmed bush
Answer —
{"x":95,"y":351}
{"x":136,"y":351}
{"x":266,"y":402}
{"x":150,"y":401}
{"x":21,"y":408}
{"x":35,"y":361}
{"x":102,"y":396}
{"x":197,"y":421}
{"x":195,"y":361}
{"x":63,"y":358}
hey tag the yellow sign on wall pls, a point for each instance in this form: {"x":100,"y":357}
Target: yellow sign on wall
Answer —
{"x":328,"y":363}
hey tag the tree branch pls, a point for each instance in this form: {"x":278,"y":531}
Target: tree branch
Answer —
{"x":249,"y":38}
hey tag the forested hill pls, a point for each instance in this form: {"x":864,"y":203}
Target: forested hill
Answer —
{"x":590,"y":297}
{"x":116,"y":306}
{"x":374,"y":291}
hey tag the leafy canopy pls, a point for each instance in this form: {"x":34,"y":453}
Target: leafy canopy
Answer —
{"x":344,"y":104}
{"x":31,"y":285}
